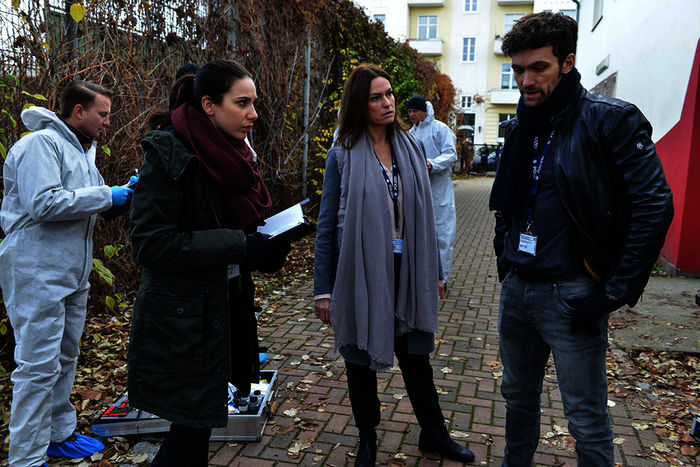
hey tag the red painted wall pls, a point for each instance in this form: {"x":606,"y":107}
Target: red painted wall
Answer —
{"x":679,"y":150}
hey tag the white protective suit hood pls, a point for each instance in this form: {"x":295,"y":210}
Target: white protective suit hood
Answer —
{"x":429,"y":113}
{"x":439,"y":143}
{"x":53,"y":192}
{"x":39,"y":118}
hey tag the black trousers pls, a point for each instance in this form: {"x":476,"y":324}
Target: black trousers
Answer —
{"x":184,"y":446}
{"x":418,"y":378}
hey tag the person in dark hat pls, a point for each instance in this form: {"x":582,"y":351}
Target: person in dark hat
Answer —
{"x":439,"y":144}
{"x":417,"y":102}
{"x":189,"y":69}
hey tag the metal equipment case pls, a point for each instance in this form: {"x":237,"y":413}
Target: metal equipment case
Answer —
{"x":120,"y":419}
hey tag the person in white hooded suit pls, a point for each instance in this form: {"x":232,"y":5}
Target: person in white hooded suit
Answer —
{"x":53,"y":193}
{"x":439,"y":143}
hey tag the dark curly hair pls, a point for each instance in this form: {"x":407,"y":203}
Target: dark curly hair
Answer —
{"x":540,"y":30}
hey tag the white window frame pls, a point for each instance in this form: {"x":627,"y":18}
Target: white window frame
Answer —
{"x":473,"y":49}
{"x":377,"y":20}
{"x":470,"y":6}
{"x":507,"y":70}
{"x":506,"y":23}
{"x":466,"y":102}
{"x":597,"y":13}
{"x":427,"y":27}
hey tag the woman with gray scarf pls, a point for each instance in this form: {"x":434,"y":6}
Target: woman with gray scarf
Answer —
{"x":376,"y":262}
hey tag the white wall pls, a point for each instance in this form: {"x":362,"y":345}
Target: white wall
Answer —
{"x":651,"y":45}
{"x":470,"y":78}
{"x":396,"y":12}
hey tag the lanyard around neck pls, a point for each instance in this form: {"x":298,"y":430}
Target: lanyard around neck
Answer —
{"x":537,"y":163}
{"x":392,"y":185}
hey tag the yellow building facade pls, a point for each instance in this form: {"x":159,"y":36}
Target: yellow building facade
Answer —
{"x":503,"y":91}
{"x":463,"y":39}
{"x":429,"y":24}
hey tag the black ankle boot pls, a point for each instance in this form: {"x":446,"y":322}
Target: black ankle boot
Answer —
{"x":367,"y":450}
{"x":443,"y":446}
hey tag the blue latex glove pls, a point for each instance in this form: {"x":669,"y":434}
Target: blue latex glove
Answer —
{"x":120,"y":194}
{"x":133,"y":180}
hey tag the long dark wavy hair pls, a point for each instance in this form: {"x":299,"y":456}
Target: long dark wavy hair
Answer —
{"x":354,"y":104}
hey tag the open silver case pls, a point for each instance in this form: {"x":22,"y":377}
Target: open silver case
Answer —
{"x":120,"y":419}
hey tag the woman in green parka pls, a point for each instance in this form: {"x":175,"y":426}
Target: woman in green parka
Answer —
{"x":194,"y":216}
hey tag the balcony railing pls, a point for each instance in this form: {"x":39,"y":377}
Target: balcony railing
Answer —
{"x":515,"y":2}
{"x":505,"y":96}
{"x":425,"y":3}
{"x":429,"y":48}
{"x":497,"y":43}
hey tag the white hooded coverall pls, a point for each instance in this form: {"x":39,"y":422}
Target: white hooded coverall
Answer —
{"x":439,"y":143}
{"x":53,"y":192}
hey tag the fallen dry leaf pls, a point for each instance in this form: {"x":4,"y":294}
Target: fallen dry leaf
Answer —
{"x":298,"y":446}
{"x":661,"y":447}
{"x":283,"y":429}
{"x":394,"y":462}
{"x":90,"y":394}
{"x":688,"y":450}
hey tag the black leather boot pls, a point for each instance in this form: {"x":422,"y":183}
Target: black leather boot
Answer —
{"x":443,"y":446}
{"x":367,"y":450}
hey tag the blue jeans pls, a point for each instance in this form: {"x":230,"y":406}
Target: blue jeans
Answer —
{"x":534,"y":320}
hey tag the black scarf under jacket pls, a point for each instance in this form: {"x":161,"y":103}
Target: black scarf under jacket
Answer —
{"x":510,"y":188}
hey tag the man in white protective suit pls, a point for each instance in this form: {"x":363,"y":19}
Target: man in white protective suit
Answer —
{"x":53,"y":193}
{"x":439,"y":143}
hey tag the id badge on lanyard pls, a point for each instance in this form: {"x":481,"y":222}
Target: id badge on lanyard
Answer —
{"x":393,"y":187}
{"x":527,"y":243}
{"x":528,"y":240}
{"x":232,"y":270}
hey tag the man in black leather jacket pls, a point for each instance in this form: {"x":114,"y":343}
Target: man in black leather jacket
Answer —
{"x":582,"y":209}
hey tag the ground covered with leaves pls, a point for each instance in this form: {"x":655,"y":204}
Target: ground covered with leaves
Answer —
{"x":101,"y":374}
{"x":662,"y":390}
{"x":659,"y":389}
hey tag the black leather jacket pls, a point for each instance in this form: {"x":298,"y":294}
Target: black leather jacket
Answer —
{"x":611,"y":182}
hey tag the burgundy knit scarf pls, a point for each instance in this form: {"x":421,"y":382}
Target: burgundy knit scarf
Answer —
{"x":230,"y":163}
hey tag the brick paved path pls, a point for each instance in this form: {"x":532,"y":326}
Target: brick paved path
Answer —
{"x":465,"y":364}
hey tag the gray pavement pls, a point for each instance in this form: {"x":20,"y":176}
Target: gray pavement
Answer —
{"x":666,"y":318}
{"x":313,"y":422}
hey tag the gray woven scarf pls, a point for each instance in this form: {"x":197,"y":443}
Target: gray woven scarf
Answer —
{"x":363,"y":309}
